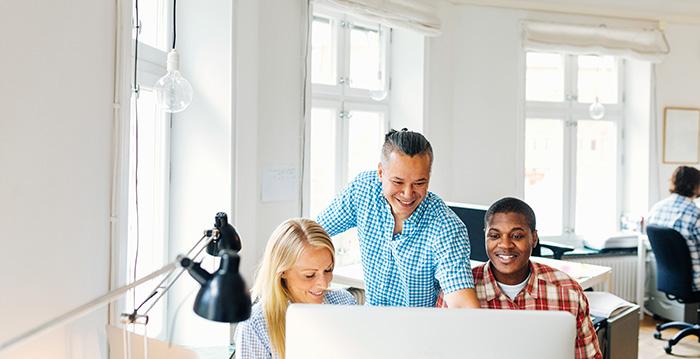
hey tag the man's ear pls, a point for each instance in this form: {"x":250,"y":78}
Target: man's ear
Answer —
{"x":535,"y":238}
{"x":380,"y":170}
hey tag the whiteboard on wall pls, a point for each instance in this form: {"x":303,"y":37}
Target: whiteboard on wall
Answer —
{"x":681,"y":136}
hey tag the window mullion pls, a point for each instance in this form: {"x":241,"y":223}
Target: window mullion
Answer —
{"x":343,"y":54}
{"x":341,"y":167}
{"x":570,"y":79}
{"x":571,"y":145}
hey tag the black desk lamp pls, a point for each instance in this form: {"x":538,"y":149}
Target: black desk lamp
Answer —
{"x":223,"y":296}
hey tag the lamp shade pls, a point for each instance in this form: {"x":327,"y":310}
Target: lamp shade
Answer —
{"x":223,"y":296}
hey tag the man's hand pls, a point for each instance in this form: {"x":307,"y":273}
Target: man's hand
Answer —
{"x":463,"y":298}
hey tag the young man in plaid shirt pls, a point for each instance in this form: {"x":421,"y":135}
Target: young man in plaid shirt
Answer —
{"x":509,"y":280}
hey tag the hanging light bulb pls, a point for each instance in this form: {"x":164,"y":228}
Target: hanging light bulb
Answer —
{"x":378,"y":95}
{"x":596,"y":110}
{"x":173,"y":92}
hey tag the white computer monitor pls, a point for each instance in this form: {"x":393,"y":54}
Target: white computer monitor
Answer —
{"x":335,"y":331}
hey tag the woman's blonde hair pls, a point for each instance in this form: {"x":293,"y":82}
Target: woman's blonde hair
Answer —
{"x":285,"y":246}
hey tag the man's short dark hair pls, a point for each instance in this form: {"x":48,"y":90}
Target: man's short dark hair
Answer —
{"x":685,"y":181}
{"x":511,"y":205}
{"x":406,"y":142}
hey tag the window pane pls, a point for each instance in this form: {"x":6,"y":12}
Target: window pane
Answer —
{"x":151,"y":174}
{"x":323,"y":52}
{"x":152,"y":15}
{"x":597,"y":76}
{"x":544,"y":141}
{"x":366,"y":65}
{"x":347,"y":247}
{"x":365,"y":134}
{"x":321,"y":159}
{"x":596,"y":178}
{"x":544,"y":77}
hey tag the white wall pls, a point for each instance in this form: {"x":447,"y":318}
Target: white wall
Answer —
{"x":636,"y":143}
{"x":678,"y":84}
{"x":246,"y":117}
{"x":473,"y":105}
{"x":55,"y":171}
{"x":268,"y":114}
{"x":407,"y":67}
{"x":439,"y":94}
{"x":201,"y":174}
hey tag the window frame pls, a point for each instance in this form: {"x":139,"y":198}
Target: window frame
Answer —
{"x":570,"y":111}
{"x":344,"y":99}
{"x":151,"y":65}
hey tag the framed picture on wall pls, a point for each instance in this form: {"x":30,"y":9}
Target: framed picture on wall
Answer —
{"x":681,"y":135}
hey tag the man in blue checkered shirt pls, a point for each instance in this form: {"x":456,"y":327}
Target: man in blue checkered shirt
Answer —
{"x":679,"y":212}
{"x":412,"y":245}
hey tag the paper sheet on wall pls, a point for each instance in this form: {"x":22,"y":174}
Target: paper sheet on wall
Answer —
{"x":681,"y":128}
{"x":280,"y":183}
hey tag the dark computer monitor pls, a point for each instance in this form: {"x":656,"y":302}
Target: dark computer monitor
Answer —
{"x":473,"y":217}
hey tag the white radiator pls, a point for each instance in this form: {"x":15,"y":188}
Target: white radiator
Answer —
{"x":624,"y":274}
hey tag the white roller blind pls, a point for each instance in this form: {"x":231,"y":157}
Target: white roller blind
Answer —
{"x":417,"y":15}
{"x":642,"y":44}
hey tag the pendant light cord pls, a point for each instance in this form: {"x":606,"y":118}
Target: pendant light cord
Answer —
{"x":174,"y":22}
{"x":137,"y":26}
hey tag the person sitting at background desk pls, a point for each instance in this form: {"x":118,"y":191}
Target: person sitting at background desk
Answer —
{"x":297,"y":268}
{"x":411,"y":243}
{"x":678,"y":211}
{"x":510,"y":280}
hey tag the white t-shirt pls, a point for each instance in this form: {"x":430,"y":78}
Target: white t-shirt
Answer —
{"x":512,"y":290}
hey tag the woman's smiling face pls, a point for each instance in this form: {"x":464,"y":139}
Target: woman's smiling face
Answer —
{"x":310,"y":276}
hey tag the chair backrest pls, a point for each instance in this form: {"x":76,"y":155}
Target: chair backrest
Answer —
{"x":472,"y":215}
{"x":674,"y":272}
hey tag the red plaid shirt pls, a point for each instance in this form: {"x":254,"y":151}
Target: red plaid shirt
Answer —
{"x":547,"y":289}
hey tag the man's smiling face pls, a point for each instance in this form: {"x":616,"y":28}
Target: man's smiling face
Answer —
{"x":404,"y":182}
{"x":509,"y":243}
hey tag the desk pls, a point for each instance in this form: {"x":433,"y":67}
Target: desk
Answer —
{"x":587,"y":275}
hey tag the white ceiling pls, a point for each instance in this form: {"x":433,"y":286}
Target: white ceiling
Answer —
{"x":666,"y":10}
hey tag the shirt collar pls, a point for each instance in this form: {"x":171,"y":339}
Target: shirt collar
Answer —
{"x":415,"y":217}
{"x":684,"y":199}
{"x":493,"y":291}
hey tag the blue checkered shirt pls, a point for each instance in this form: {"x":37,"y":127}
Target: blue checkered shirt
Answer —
{"x":252,"y":339}
{"x":409,"y":268}
{"x":681,"y":213}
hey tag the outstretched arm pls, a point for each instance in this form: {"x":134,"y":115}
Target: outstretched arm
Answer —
{"x":463,"y":298}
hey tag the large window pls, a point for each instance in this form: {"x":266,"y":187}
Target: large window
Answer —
{"x":149,"y":169}
{"x":350,"y":109}
{"x":572,"y":161}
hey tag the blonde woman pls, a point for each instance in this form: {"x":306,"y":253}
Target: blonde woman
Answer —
{"x":297,"y":268}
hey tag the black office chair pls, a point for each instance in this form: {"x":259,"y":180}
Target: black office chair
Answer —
{"x":674,"y":277}
{"x":478,"y":249}
{"x":557,"y":249}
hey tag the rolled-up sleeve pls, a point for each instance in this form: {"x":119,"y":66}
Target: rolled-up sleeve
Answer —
{"x":340,"y":215}
{"x":453,"y":268}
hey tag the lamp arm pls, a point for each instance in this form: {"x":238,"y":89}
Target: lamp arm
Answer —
{"x":110,"y":296}
{"x":210,"y":235}
{"x":85,"y":308}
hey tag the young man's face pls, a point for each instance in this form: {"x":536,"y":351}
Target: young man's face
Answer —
{"x":509,"y":243}
{"x":404,"y":182}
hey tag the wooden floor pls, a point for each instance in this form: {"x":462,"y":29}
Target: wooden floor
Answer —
{"x":650,"y":348}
